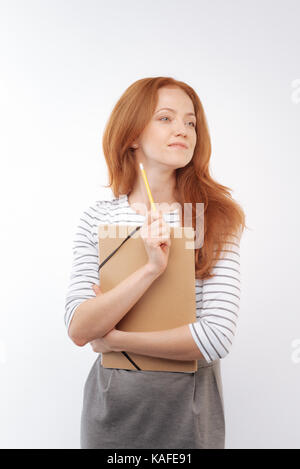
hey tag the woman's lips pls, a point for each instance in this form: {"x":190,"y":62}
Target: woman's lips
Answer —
{"x":177,"y":145}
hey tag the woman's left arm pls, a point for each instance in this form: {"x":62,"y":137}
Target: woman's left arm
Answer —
{"x":211,"y":335}
{"x":174,"y":344}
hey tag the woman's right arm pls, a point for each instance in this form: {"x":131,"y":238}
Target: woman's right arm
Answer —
{"x":96,"y":316}
{"x":90,"y":317}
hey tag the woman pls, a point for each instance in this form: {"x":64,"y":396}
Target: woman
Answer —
{"x":159,"y":122}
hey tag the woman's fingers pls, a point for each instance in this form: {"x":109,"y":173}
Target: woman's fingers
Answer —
{"x":156,"y":223}
{"x":96,"y":289}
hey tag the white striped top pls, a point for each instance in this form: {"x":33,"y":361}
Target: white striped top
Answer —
{"x":217,"y":298}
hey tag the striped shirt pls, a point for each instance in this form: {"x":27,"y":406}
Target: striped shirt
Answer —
{"x":217,"y":298}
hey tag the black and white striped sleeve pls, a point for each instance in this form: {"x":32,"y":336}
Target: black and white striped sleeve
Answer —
{"x":85,"y":263}
{"x":218,"y":302}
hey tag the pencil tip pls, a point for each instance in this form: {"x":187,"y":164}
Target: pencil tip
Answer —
{"x":141,"y":166}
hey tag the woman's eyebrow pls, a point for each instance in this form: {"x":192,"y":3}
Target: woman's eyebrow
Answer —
{"x":169,"y":109}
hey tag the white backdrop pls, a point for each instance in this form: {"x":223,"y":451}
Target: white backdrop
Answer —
{"x":64,"y":64}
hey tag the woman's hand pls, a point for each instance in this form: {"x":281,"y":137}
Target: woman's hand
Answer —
{"x":155,"y":234}
{"x":105,"y":343}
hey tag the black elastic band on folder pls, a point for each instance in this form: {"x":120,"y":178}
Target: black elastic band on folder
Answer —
{"x":102,"y":264}
{"x":130,"y":359}
{"x":108,"y":257}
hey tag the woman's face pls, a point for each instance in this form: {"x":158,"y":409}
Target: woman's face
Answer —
{"x":167,"y":127}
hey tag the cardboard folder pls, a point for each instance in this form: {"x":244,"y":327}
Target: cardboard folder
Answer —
{"x":168,"y":303}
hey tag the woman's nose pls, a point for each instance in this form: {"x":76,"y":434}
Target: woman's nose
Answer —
{"x":180,"y":129}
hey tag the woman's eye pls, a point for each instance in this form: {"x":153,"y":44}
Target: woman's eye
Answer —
{"x":165,"y":117}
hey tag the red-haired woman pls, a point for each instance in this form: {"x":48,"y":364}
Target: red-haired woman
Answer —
{"x":159,"y":122}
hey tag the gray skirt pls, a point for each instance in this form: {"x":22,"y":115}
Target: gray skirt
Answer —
{"x":153,"y":409}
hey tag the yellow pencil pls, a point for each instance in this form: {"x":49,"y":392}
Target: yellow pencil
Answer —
{"x":147,"y":187}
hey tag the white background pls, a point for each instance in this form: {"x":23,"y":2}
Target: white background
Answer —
{"x":64,"y":64}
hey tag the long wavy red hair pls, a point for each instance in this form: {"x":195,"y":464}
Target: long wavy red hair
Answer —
{"x":224,"y":218}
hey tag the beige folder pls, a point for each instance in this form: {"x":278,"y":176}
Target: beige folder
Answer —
{"x":168,"y":303}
